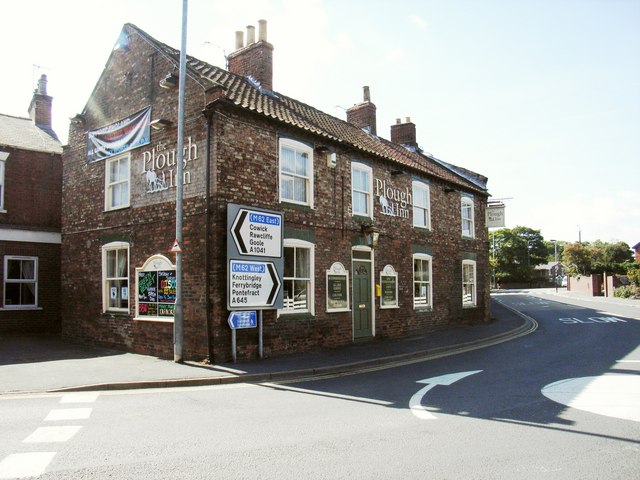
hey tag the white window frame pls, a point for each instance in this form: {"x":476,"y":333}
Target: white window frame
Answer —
{"x":424,"y":209}
{"x":302,"y":148}
{"x":467,"y":204}
{"x":33,"y":281}
{"x":473,"y":283}
{"x":105,"y":280}
{"x":361,"y":167}
{"x":3,"y":183}
{"x":295,"y":243}
{"x":109,"y":184}
{"x":428,"y":258}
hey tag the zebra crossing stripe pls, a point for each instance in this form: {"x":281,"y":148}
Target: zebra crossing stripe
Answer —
{"x":28,"y":464}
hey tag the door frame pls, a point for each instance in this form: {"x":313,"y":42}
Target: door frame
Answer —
{"x":372,"y":306}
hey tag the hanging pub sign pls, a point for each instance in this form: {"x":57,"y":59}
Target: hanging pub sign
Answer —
{"x":495,"y":215}
{"x":126,"y":134}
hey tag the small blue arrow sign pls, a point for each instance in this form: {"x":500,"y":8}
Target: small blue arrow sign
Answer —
{"x":243,"y":319}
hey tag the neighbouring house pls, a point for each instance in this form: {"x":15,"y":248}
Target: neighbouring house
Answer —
{"x":375,"y":238}
{"x":549,"y":274}
{"x":30,"y":200}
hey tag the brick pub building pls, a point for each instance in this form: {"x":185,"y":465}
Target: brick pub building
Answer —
{"x":380,"y":240}
{"x":30,"y":198}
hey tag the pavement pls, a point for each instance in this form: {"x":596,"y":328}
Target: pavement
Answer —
{"x":37,"y":364}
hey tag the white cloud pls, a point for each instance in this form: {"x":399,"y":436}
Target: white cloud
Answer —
{"x":419,"y":22}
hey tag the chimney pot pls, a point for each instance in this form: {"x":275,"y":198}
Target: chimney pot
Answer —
{"x":42,"y":85}
{"x":239,"y":39}
{"x":40,"y":107}
{"x":404,"y":133}
{"x":253,"y":59}
{"x":363,"y":115}
{"x":251,"y":35}
{"x":262,"y":30}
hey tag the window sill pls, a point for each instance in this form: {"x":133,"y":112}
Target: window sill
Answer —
{"x":422,"y":309}
{"x":467,"y":306}
{"x":420,"y":228}
{"x":117,"y":209}
{"x":295,"y":315}
{"x":153,"y":319}
{"x":389,"y":307}
{"x":2,"y":210}
{"x":304,"y":207}
{"x":8,"y":308}
{"x":362,"y":218}
{"x":113,"y":313}
{"x":338,"y":310}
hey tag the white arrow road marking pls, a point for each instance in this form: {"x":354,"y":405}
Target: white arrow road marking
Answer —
{"x":415,"y":404}
{"x":614,"y":395}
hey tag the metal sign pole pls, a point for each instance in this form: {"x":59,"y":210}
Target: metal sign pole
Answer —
{"x":260,"y":351}
{"x":178,"y":326}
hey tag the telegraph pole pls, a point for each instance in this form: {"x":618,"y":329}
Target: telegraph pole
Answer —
{"x":178,"y":324}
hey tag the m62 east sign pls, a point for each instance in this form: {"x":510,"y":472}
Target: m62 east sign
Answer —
{"x":254,"y":258}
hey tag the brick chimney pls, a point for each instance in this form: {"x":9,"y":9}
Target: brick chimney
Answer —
{"x":40,"y":107}
{"x":404,"y":133}
{"x":363,"y":115}
{"x":254,"y":59}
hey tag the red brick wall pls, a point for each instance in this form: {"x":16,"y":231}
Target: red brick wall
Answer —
{"x":244,"y":153}
{"x":47,"y":317}
{"x":32,"y":200}
{"x":33,"y":184}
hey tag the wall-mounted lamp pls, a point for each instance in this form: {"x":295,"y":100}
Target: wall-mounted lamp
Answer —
{"x":371,"y":234}
{"x":329,"y":153}
{"x":160,"y":123}
{"x":170,"y":81}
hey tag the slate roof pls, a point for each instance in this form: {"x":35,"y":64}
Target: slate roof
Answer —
{"x":23,"y":133}
{"x":248,"y":95}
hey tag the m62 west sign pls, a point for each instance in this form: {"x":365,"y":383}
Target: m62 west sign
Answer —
{"x":252,"y":284}
{"x":254,"y":258}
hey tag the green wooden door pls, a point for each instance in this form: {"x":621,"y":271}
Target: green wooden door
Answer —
{"x":361,"y":300}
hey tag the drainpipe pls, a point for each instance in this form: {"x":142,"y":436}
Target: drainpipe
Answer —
{"x":207,"y":232}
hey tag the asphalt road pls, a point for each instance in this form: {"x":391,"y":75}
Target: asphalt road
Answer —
{"x":561,"y":403}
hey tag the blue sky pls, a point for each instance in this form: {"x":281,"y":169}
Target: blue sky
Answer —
{"x":541,"y":96}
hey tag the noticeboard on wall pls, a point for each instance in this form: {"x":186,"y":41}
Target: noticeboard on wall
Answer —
{"x":337,"y":288}
{"x":388,"y":287}
{"x":156,"y":287}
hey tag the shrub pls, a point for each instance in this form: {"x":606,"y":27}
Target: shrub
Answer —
{"x":628,"y":291}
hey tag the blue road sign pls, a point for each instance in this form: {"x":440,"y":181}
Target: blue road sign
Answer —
{"x":243,"y":319}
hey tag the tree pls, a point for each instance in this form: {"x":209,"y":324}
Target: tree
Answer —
{"x":597,"y":257}
{"x":553,"y":249}
{"x":517,"y":252}
{"x":576,"y":257}
{"x":610,"y":257}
